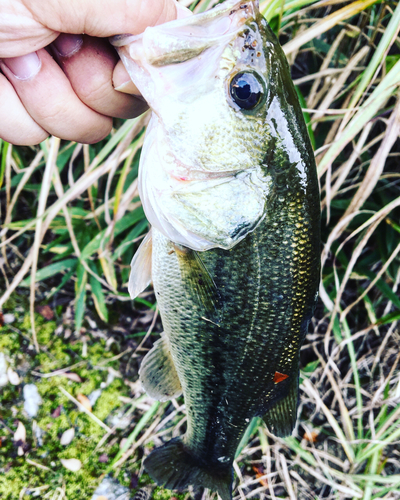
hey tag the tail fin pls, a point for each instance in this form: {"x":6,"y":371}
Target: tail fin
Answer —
{"x":173,"y":467}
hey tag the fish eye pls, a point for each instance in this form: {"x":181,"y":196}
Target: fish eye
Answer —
{"x":246,"y":90}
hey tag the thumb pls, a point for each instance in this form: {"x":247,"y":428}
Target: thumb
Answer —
{"x":102,"y":18}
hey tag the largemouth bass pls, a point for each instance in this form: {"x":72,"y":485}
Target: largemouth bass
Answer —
{"x":228,"y":182}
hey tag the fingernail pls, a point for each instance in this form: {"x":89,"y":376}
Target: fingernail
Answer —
{"x":24,"y":67}
{"x":128,"y":88}
{"x":68,"y":45}
{"x":181,"y":11}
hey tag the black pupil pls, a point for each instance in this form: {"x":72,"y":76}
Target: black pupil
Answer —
{"x":246,"y":90}
{"x":243,"y":90}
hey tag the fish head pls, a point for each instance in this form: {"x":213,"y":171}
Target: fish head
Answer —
{"x":207,"y":80}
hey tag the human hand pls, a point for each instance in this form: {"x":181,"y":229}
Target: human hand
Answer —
{"x":65,"y":84}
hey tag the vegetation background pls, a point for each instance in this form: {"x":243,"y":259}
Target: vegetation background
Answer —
{"x":70,"y":222}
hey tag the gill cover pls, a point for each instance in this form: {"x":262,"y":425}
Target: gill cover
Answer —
{"x":200,"y":182}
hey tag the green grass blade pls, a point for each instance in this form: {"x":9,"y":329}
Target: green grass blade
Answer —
{"x":51,"y":270}
{"x":372,"y":105}
{"x":114,"y":141}
{"x":387,"y":39}
{"x":3,"y":151}
{"x":373,"y":465}
{"x":363,"y":455}
{"x":251,"y":429}
{"x":136,"y":431}
{"x":389,"y":318}
{"x":356,"y":378}
{"x":306,"y":116}
{"x":98,"y":296}
{"x":80,"y":296}
{"x":127,"y":244}
{"x":326,"y":24}
{"x":124,"y":223}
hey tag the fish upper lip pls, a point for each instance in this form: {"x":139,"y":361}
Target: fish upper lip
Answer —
{"x":217,"y":13}
{"x":187,"y":173}
{"x":201,"y":175}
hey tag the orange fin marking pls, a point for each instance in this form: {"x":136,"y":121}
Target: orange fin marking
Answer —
{"x":278,"y":377}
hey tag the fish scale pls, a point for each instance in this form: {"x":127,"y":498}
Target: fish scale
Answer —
{"x":231,"y":190}
{"x":261,"y":314}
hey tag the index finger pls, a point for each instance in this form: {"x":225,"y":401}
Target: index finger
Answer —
{"x":102,"y":18}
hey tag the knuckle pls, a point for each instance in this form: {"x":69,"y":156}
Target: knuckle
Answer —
{"x":94,"y":90}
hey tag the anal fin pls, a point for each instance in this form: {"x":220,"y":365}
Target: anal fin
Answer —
{"x":158,"y":374}
{"x":140,"y":276}
{"x":281,"y":417}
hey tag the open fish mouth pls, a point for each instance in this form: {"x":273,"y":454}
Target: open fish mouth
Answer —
{"x":199,"y":183}
{"x":183,"y":39}
{"x":178,"y":42}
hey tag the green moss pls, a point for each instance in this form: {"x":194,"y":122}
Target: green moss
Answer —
{"x":7,"y":340}
{"x":163,"y":494}
{"x":45,"y":332}
{"x":108,"y":400}
{"x":15,"y":472}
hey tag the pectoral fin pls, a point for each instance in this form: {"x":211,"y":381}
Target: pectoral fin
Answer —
{"x":281,"y":417}
{"x":140,"y":276}
{"x":158,"y":374}
{"x":200,"y":284}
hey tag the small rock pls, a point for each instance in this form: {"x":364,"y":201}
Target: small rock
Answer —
{"x":13,"y":377}
{"x":72,"y":464}
{"x":8,"y":318}
{"x":67,"y":436}
{"x":94,"y":396}
{"x":120,"y":421}
{"x":111,"y":490}
{"x":110,"y":378}
{"x":20,"y":433}
{"x":38,"y":432}
{"x":3,"y":370}
{"x":59,"y":330}
{"x":103,"y":458}
{"x":32,"y":400}
{"x":3,"y":380}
